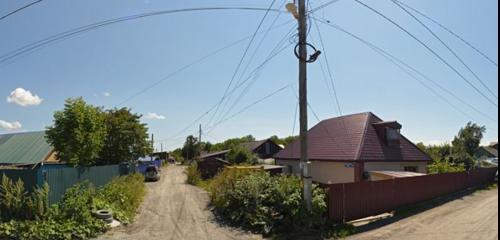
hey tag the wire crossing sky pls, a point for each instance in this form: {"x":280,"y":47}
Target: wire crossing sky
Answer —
{"x":112,"y":52}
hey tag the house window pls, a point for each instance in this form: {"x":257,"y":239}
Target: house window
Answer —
{"x":393,"y":134}
{"x":411,"y":169}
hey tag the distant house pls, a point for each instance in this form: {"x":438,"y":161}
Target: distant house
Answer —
{"x":212,"y":163}
{"x":488,"y":153}
{"x":348,"y":148}
{"x":26,"y":149}
{"x":264,"y":149}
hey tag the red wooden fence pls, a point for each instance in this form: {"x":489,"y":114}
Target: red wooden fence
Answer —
{"x":358,"y":200}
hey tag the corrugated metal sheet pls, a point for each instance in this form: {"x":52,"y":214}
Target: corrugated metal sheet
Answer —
{"x":23,"y":148}
{"x":60,"y":179}
{"x":352,"y":201}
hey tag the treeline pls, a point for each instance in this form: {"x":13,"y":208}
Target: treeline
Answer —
{"x":458,"y":155}
{"x":86,"y":135}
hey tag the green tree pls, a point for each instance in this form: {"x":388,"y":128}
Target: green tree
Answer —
{"x":191,"y":148}
{"x":78,"y":133}
{"x":466,"y":143}
{"x":240,"y":155}
{"x":126,"y":137}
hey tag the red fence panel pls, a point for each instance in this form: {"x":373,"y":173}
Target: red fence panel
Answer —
{"x":351,"y":201}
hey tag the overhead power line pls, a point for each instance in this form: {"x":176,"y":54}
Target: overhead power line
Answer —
{"x":199,"y":60}
{"x":451,"y":32}
{"x":386,"y":54}
{"x":19,"y":9}
{"x":255,"y":51}
{"x":323,"y":6}
{"x":241,"y":61}
{"x":34,"y":46}
{"x":430,"y":49}
{"x":449,"y":48}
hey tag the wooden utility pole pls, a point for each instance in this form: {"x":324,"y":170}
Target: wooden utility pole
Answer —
{"x":304,"y":159}
{"x":199,"y":140}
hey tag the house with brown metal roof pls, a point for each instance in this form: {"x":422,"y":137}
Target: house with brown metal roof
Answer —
{"x":264,"y":149}
{"x":346,"y":149}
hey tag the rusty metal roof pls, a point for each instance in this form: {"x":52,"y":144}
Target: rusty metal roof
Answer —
{"x":352,"y":138}
{"x":23,"y":148}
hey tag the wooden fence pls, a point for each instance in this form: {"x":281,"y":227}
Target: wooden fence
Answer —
{"x":352,"y":201}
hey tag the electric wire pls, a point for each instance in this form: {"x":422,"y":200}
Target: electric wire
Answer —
{"x":430,"y":49}
{"x":380,"y":51}
{"x":37,"y":45}
{"x":241,"y":61}
{"x":19,"y":9}
{"x":449,"y":48}
{"x":462,"y":39}
{"x":199,"y":60}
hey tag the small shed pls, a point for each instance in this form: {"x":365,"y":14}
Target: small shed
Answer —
{"x":211,"y":164}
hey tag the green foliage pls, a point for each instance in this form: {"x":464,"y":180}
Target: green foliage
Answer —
{"x":73,"y":217}
{"x":445,"y":166}
{"x":123,"y":195}
{"x":469,"y":138}
{"x":193,"y":175}
{"x":78,"y":133}
{"x":13,"y":199}
{"x":283,"y":141}
{"x":191,"y":148}
{"x":38,"y":203}
{"x":231,"y":143}
{"x":240,"y":155}
{"x":265,"y":204}
{"x":126,"y":137}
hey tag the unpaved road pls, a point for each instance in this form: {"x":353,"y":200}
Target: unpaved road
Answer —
{"x":175,"y":210}
{"x":471,"y":217}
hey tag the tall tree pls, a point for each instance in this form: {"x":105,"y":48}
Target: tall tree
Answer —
{"x":191,"y":148}
{"x":466,"y":143}
{"x":126,"y":137}
{"x":78,"y":133}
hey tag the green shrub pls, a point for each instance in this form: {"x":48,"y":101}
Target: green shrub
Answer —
{"x":193,"y":175}
{"x":240,"y":155}
{"x":266,"y":204}
{"x":445,"y":166}
{"x":73,"y":217}
{"x":123,"y":195}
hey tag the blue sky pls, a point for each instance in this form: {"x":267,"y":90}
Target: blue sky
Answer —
{"x":111,"y":64}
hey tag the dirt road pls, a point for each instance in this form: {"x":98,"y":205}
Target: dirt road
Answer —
{"x":471,"y":217}
{"x":175,"y":210}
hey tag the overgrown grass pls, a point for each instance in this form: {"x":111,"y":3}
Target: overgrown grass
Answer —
{"x":73,"y":217}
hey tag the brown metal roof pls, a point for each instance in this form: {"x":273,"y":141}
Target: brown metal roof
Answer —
{"x":352,"y":138}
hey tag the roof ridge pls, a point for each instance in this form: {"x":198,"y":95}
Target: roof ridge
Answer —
{"x":363,"y":136}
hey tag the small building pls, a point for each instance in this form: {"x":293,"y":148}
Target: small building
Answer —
{"x":264,"y":149}
{"x":345,"y":149}
{"x":211,"y":164}
{"x":26,"y":149}
{"x":488,"y":153}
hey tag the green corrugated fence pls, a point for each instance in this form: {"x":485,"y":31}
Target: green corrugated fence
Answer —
{"x":61,"y":177}
{"x":28,"y":176}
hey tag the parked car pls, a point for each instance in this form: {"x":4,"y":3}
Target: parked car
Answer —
{"x":152,"y":173}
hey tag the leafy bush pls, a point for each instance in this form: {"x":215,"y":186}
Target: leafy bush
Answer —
{"x":17,"y":204}
{"x":123,"y":195}
{"x":193,"y":175}
{"x":445,"y":166}
{"x":265,"y":204}
{"x":240,"y":155}
{"x":73,"y":217}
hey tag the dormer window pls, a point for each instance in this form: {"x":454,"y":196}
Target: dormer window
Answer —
{"x":393,"y":134}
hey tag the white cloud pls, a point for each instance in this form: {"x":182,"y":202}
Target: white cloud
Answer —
{"x":155,"y":116}
{"x":106,"y":94}
{"x":10,"y":126}
{"x":24,"y":98}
